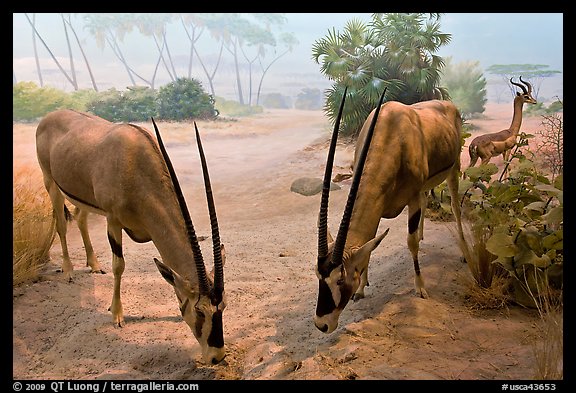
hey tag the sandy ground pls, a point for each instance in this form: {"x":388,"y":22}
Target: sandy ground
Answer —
{"x":63,"y":330}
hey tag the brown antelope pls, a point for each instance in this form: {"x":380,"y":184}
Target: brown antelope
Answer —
{"x":402,"y":151}
{"x":121,"y":172}
{"x":491,"y":145}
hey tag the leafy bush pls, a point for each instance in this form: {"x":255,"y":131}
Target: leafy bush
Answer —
{"x":235,"y":109}
{"x":466,"y":85}
{"x":185,"y":99}
{"x":310,"y":99}
{"x":135,"y":104}
{"x":276,"y":100}
{"x":30,"y":102}
{"x":524,"y":219}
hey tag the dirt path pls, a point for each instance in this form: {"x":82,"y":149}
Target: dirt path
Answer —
{"x":63,"y":330}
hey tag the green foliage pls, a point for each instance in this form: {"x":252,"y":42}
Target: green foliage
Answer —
{"x":524,"y":218}
{"x":235,"y":109}
{"x":466,"y":85}
{"x":185,"y":99}
{"x":30,"y":102}
{"x":396,"y":51}
{"x":276,"y":100}
{"x":135,"y":104}
{"x":309,"y":99}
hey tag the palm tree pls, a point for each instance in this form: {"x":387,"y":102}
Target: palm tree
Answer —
{"x":394,"y":51}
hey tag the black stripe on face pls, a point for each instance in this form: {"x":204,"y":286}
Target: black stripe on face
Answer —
{"x":414,"y":221}
{"x":116,"y":248}
{"x":216,"y":337}
{"x":325,"y":304}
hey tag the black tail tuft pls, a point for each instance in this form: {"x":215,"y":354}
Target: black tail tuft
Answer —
{"x":67,"y":214}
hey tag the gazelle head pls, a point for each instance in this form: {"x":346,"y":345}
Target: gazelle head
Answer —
{"x":202,"y":302}
{"x":526,"y":94}
{"x":339,"y":269}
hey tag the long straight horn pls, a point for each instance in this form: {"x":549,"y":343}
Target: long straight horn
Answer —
{"x":198,"y":259}
{"x":527,"y":84}
{"x":218,"y":264}
{"x":323,"y":216}
{"x":338,"y":254}
{"x":519,"y":85}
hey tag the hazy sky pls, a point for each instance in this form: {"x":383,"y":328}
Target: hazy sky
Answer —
{"x":489,"y":38}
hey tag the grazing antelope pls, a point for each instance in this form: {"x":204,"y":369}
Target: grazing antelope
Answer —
{"x":121,"y":172}
{"x":491,"y":145}
{"x":402,"y":151}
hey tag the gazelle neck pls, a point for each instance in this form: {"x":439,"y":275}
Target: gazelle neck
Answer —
{"x":517,"y":117}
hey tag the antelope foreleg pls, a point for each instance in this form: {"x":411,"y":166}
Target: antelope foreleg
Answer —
{"x":115,"y":238}
{"x":414,"y":214}
{"x":359,"y":294}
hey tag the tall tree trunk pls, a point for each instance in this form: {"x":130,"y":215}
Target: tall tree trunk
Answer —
{"x":70,"y":55}
{"x":83,"y":55}
{"x":264,"y":71}
{"x":208,"y":75}
{"x":49,"y":51}
{"x":36,"y":51}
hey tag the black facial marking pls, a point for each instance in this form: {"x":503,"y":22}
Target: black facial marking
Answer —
{"x":200,"y":318}
{"x":414,"y":221}
{"x":184,"y":306}
{"x":216,"y":337}
{"x":116,"y":248}
{"x":325,"y":304}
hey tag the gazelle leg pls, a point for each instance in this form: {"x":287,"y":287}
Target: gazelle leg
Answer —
{"x":57,"y":200}
{"x":414,"y":218}
{"x":91,"y":260}
{"x":452,"y":181}
{"x":115,"y":239}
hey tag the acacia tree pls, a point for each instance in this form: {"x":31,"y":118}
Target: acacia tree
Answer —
{"x":394,"y":51}
{"x":535,"y":73}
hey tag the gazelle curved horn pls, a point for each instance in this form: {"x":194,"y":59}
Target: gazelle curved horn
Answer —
{"x":218,"y":264}
{"x":519,"y":85}
{"x":527,"y":84}
{"x":323,"y":216}
{"x":338,"y":253}
{"x":196,"y":251}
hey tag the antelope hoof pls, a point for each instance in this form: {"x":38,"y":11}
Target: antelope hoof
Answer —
{"x":423,"y":294}
{"x":97,"y":271}
{"x":357,"y":296}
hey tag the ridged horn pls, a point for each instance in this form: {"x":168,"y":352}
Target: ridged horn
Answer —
{"x":218,"y":265}
{"x":323,"y":215}
{"x":338,"y":253}
{"x":527,"y":84}
{"x":520,"y":86}
{"x":196,"y":251}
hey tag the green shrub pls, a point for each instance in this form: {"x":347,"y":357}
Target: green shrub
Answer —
{"x":134,"y":104}
{"x":310,"y":99}
{"x":277,"y":100}
{"x":30,"y":102}
{"x":185,"y":99}
{"x":235,"y":109}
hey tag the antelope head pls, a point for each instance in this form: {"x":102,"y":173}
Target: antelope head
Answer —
{"x":202,"y":302}
{"x":526,"y":93}
{"x":339,"y":269}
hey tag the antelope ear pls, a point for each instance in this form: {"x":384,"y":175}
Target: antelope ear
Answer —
{"x":168,"y":274}
{"x":174,"y":279}
{"x":363,"y":253}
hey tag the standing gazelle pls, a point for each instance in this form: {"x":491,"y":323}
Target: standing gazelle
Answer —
{"x":119,"y":171}
{"x":402,"y":151}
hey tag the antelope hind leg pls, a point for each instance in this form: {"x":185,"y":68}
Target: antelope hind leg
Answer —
{"x":91,"y":259}
{"x":414,"y":214}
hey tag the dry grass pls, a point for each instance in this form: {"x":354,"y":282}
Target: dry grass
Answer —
{"x":33,"y":228}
